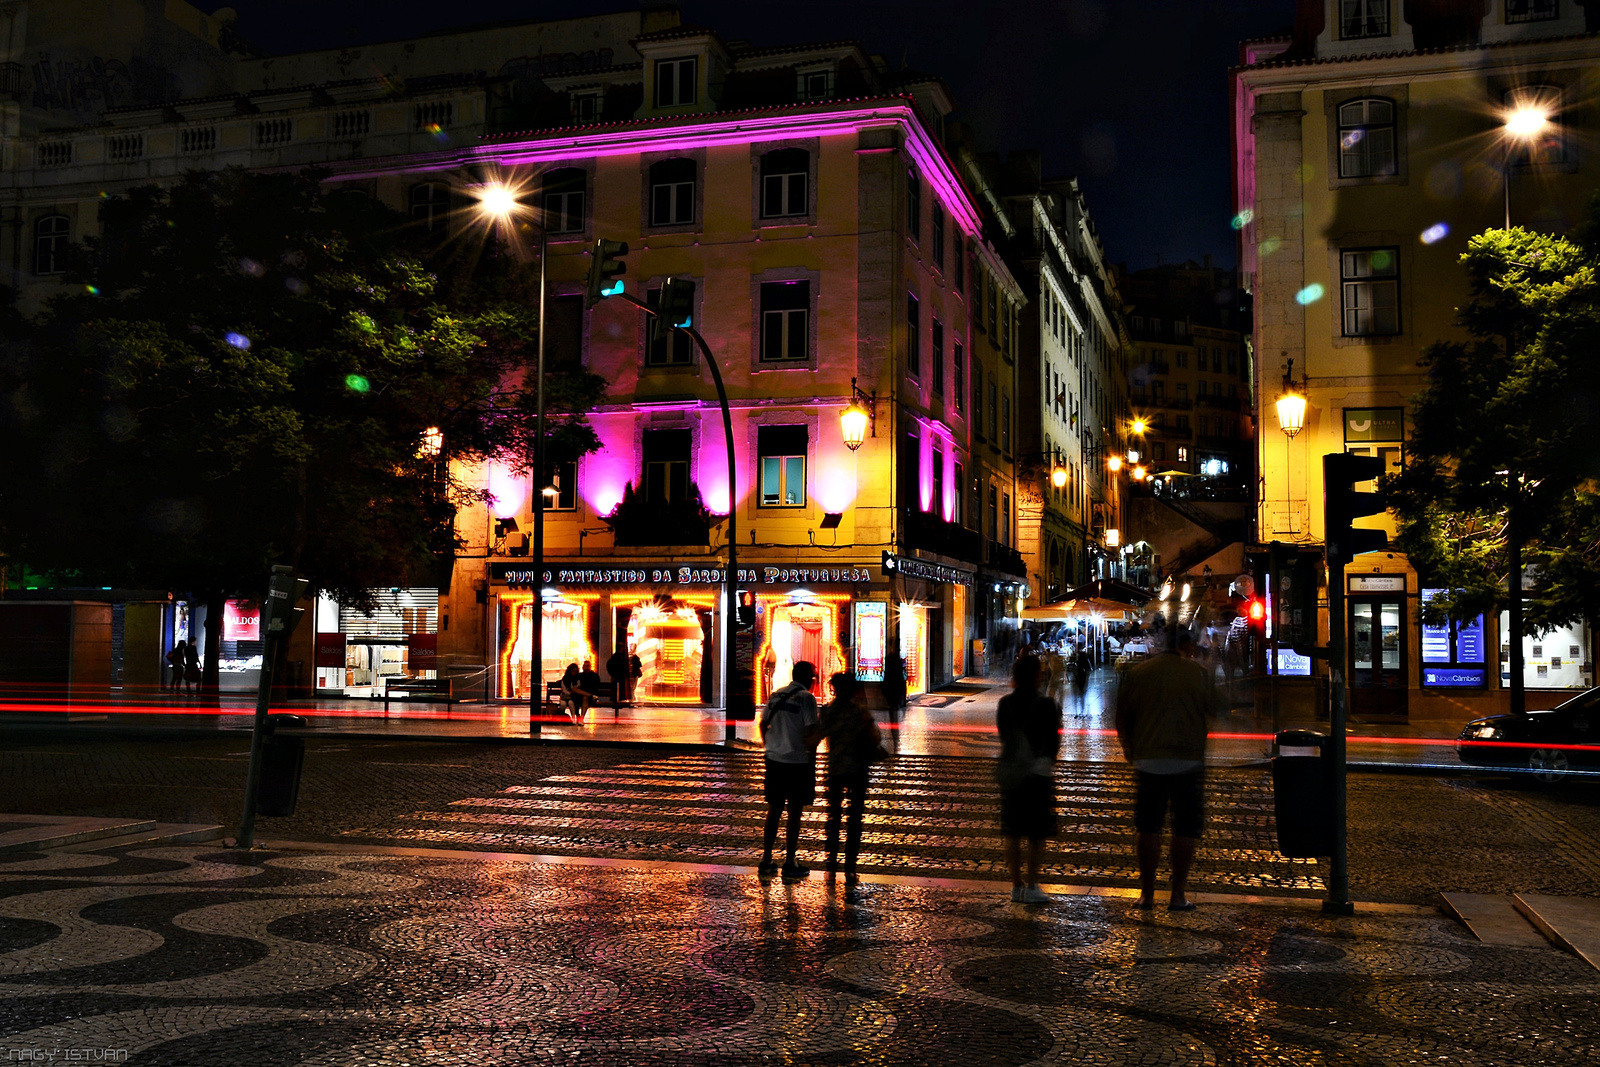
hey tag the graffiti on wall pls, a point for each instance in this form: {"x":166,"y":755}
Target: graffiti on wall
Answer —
{"x":97,"y":83}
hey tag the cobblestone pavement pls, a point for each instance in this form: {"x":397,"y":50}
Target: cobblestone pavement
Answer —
{"x":936,"y":816}
{"x":189,"y":955}
{"x":1411,"y":837}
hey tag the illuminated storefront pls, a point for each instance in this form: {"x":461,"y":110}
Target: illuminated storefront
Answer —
{"x":669,"y":616}
{"x":930,"y":608}
{"x":358,"y":653}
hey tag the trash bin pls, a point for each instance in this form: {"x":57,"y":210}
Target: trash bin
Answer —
{"x":281,"y":763}
{"x":1302,"y":794}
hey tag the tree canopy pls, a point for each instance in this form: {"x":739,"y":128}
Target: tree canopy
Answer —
{"x":1505,"y":433}
{"x":243,"y":373}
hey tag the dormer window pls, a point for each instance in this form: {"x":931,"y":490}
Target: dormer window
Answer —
{"x":1363,"y":18}
{"x":1530,"y":10}
{"x":676,"y":80}
{"x":586,"y":107}
{"x":816,"y":85}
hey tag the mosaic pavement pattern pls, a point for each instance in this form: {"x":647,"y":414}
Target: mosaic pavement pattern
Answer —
{"x":184,"y":955}
{"x":924,"y":815}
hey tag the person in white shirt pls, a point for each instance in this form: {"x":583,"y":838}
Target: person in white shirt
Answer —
{"x":789,"y":732}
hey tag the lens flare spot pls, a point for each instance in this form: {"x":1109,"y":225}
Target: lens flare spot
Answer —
{"x":1271,"y":245}
{"x":238,"y":340}
{"x":1243,"y":219}
{"x":1304,"y":172}
{"x":1310,"y":294}
{"x":1382,"y":261}
{"x":1437,"y":232}
{"x":357,"y":384}
{"x":92,"y":290}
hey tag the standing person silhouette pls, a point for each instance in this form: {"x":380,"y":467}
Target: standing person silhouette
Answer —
{"x":1162,"y":711}
{"x":1030,"y":739}
{"x":790,"y":736}
{"x":191,"y":666}
{"x":854,"y":745}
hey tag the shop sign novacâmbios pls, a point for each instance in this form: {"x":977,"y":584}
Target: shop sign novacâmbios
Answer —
{"x":524,"y":576}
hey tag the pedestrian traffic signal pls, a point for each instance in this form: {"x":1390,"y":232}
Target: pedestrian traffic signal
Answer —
{"x":1343,"y":503}
{"x":675,"y":310}
{"x":746,"y":617}
{"x":1256,"y":615}
{"x":605,"y":263}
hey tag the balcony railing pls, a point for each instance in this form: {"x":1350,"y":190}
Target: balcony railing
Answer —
{"x":921,"y":529}
{"x":1005,"y":559}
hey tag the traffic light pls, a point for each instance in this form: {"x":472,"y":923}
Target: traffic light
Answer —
{"x":1343,"y":504}
{"x":746,"y":617}
{"x":675,"y":308}
{"x":1255,"y":613}
{"x":605,"y":263}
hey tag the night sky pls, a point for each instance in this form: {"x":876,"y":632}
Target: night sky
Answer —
{"x":1131,"y":96}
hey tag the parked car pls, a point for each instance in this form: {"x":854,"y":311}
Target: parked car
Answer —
{"x":1548,"y":743}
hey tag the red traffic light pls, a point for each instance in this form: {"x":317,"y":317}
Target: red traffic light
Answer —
{"x":1258,"y":611}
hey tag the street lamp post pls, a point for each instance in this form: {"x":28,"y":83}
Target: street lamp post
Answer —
{"x":500,"y":203}
{"x":1523,"y":123}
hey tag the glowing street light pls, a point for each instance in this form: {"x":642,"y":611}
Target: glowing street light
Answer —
{"x":498,"y":201}
{"x":1140,"y":424}
{"x":1058,"y":476}
{"x":1114,"y":463}
{"x":1291,"y":405}
{"x":855,"y":420}
{"x":432,"y":443}
{"x":1525,"y":122}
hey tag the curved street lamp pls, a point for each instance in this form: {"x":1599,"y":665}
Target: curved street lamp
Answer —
{"x":1291,"y":405}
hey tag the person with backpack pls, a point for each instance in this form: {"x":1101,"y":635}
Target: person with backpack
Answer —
{"x":1030,"y":739}
{"x":854,"y":745}
{"x":175,"y":662}
{"x":790,"y":736}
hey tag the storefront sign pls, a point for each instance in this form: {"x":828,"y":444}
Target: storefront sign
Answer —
{"x":928,"y":572}
{"x":422,"y":651}
{"x":241,"y":621}
{"x":1374,"y":424}
{"x":1377,"y":583}
{"x":872,"y":638}
{"x":330,"y":650}
{"x":1453,"y":677}
{"x":563,"y":576}
{"x":1293,"y":664}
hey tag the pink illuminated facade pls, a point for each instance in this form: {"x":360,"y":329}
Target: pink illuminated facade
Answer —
{"x":809,"y":195}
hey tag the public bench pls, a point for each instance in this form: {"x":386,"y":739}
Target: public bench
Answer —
{"x":435,"y":690}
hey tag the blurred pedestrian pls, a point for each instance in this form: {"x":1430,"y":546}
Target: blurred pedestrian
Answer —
{"x":893,"y":686}
{"x":589,"y":681}
{"x":572,"y":694}
{"x":854,"y":745}
{"x":1030,"y":739}
{"x":1163,"y":708}
{"x":191,"y":666}
{"x":617,"y":668}
{"x":790,"y":736}
{"x":175,"y":665}
{"x":635,"y":672}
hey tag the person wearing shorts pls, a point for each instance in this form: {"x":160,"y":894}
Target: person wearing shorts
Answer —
{"x":1163,"y":709}
{"x":790,"y":735}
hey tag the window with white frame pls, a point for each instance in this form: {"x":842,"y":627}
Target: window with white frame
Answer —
{"x":1363,"y":18}
{"x":672,"y":189}
{"x":1183,"y":453}
{"x":782,"y":452}
{"x":50,"y":236}
{"x":784,"y":174}
{"x":564,"y":199}
{"x":1369,"y":279}
{"x":1367,"y":138}
{"x":675,"y":81}
{"x":564,"y":480}
{"x":429,"y":203}
{"x":815,"y":85}
{"x":785,"y":326}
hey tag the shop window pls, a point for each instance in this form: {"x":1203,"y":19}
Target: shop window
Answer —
{"x":1367,"y":138}
{"x":676,"y":351}
{"x":798,"y":631}
{"x":672,"y":192}
{"x":784,"y":174}
{"x":1369,"y":279}
{"x":666,"y":465}
{"x":782,"y":451}
{"x":564,"y":200}
{"x":669,"y":639}
{"x":1556,"y":660}
{"x":936,"y":355}
{"x":785,"y":329}
{"x":675,"y":81}
{"x":1453,"y":653}
{"x":430,"y":202}
{"x":50,"y":235}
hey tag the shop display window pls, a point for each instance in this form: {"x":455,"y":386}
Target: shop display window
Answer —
{"x":872,"y":639}
{"x":914,"y":646}
{"x":565,"y":638}
{"x":795,"y":629}
{"x":1555,"y":660}
{"x":670,"y":642}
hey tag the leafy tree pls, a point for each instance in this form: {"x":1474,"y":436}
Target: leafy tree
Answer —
{"x":1503,"y":439}
{"x":244,"y":375}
